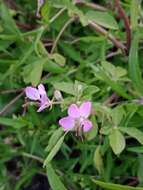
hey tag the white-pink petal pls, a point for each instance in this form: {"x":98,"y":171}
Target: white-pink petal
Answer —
{"x":85,"y":109}
{"x":42,"y":107}
{"x":67,"y":123}
{"x":44,"y":103}
{"x":73,"y":111}
{"x":44,"y":99}
{"x":32,"y":93}
{"x":41,"y":89}
{"x":87,"y":125}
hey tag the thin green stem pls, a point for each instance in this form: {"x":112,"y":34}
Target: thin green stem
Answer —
{"x":60,"y":33}
{"x":11,"y":103}
{"x":33,"y":157}
{"x":57,"y":15}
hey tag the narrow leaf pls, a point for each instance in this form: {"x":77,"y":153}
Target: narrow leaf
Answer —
{"x":112,"y":186}
{"x":54,"y":179}
{"x":54,"y":150}
{"x":45,"y":11}
{"x":134,"y":13}
{"x":54,"y":138}
{"x":98,"y":162}
{"x":16,"y":123}
{"x":8,"y":22}
{"x":134,"y":68}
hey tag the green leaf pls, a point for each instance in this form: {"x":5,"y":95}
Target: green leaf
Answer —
{"x":8,"y":23}
{"x":117,"y":115}
{"x":103,"y":19}
{"x":58,"y":59}
{"x":65,"y":87}
{"x":25,"y":176}
{"x":53,"y":179}
{"x":112,"y":186}
{"x":38,"y":45}
{"x":93,"y":132}
{"x":54,"y":151}
{"x":100,"y":73}
{"x":117,"y":141}
{"x":140,"y":169}
{"x":134,"y":68}
{"x":137,"y":149}
{"x":45,"y":11}
{"x":119,"y":88}
{"x":105,"y":130}
{"x":89,"y":39}
{"x":133,"y":132}
{"x":36,"y":73}
{"x":74,"y":10}
{"x":114,"y":72}
{"x":54,"y":138}
{"x":26,"y":54}
{"x":134,"y":9}
{"x":16,"y":123}
{"x":71,"y":52}
{"x":52,"y":67}
{"x":98,"y":162}
{"x":32,"y":72}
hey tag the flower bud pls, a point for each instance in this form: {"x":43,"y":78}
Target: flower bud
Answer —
{"x":58,"y":95}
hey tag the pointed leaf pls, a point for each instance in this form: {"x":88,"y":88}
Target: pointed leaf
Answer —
{"x":133,"y":132}
{"x":117,"y":141}
{"x":103,"y":19}
{"x":54,"y":151}
{"x":134,"y":68}
{"x":98,"y":162}
{"x":112,"y":186}
{"x":54,"y":179}
{"x":54,"y":138}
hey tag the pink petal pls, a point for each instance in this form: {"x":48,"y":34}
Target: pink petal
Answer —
{"x":87,"y":125}
{"x":41,"y":89}
{"x":32,"y":93}
{"x":67,"y":123}
{"x":73,"y":111}
{"x":42,"y":107}
{"x":44,"y":99}
{"x":85,"y":109}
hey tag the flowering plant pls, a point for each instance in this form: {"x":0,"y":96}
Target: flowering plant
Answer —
{"x":71,"y":95}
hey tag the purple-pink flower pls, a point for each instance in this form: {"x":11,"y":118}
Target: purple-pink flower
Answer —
{"x":77,"y":118}
{"x":38,"y":94}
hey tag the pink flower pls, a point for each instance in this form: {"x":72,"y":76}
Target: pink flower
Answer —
{"x":77,"y":118}
{"x":38,"y":94}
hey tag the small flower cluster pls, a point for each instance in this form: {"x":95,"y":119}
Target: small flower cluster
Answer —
{"x":77,"y":119}
{"x":39,"y":95}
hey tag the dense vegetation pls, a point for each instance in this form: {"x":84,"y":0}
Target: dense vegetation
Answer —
{"x":86,"y":54}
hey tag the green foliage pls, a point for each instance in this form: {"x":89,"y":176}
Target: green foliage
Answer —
{"x":134,"y":68}
{"x":98,"y":161}
{"x":102,"y":18}
{"x":54,"y":180}
{"x":54,"y":150}
{"x":86,"y":64}
{"x":117,"y":141}
{"x":111,"y":186}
